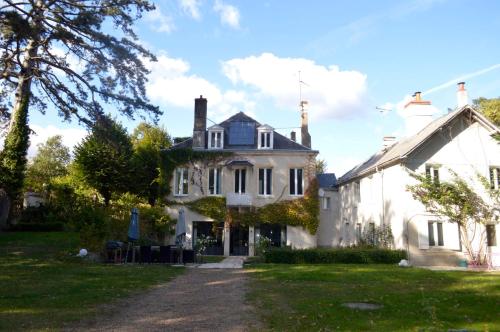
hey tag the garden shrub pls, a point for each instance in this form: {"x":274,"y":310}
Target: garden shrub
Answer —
{"x":337,"y":255}
{"x":37,"y":227}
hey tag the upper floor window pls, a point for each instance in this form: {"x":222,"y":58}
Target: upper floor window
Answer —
{"x":357,"y":191}
{"x":495,"y":178}
{"x":296,"y":182}
{"x":265,"y":137}
{"x":240,"y":180}
{"x":214,"y":181}
{"x":326,"y":203}
{"x":215,"y":137}
{"x":181,"y":182}
{"x":265,"y":181}
{"x":432,"y":173}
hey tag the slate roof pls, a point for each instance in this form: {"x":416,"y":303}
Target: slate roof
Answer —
{"x":280,"y":142}
{"x":403,"y":148}
{"x":326,"y":180}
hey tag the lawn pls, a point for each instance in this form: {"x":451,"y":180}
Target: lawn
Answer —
{"x":43,"y":286}
{"x":310,"y":298}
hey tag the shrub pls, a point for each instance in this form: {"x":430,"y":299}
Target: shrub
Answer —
{"x":37,"y":227}
{"x":339,"y":255}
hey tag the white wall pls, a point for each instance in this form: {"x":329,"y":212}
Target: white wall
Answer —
{"x":299,"y":238}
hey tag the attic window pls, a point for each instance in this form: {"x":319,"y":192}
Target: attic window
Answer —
{"x":215,"y":137}
{"x":266,"y":137}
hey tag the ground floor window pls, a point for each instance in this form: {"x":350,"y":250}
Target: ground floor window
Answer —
{"x":214,"y":230}
{"x":435,"y":229}
{"x":491,"y":236}
{"x":275,"y":232}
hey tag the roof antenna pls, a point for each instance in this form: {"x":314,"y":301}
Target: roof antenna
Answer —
{"x":300,"y":88}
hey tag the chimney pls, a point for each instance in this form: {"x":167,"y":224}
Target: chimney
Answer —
{"x":293,"y":136}
{"x":200,"y":122}
{"x":462,"y":96}
{"x":418,"y":114}
{"x":304,"y":128}
{"x":388,"y":141}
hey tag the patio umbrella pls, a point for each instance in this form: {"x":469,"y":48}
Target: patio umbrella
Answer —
{"x":180,"y":228}
{"x":133,"y":228}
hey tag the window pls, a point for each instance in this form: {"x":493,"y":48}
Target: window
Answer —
{"x":371,"y":233}
{"x":357,"y":191}
{"x":265,"y":181}
{"x":265,"y":137}
{"x":491,"y":236}
{"x":326,"y":203}
{"x":215,"y":139}
{"x":181,"y":182}
{"x":495,"y":178}
{"x":214,"y":181}
{"x":296,"y":182}
{"x":240,"y":181}
{"x":435,"y":229}
{"x":347,"y":233}
{"x":432,"y":173}
{"x":358,"y":231}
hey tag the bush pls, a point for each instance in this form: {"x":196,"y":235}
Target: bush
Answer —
{"x":37,"y":227}
{"x":328,"y":256}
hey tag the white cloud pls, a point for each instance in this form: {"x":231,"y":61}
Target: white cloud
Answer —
{"x":191,"y":7}
{"x":229,"y":15}
{"x":160,"y":22}
{"x":70,"y":137}
{"x":330,"y":91}
{"x":171,"y":83}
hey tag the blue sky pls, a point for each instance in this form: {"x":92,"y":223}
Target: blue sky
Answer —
{"x":353,"y":55}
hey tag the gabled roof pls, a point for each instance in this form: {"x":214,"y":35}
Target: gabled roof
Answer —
{"x":326,"y":180}
{"x":280,"y":142}
{"x":403,"y":148}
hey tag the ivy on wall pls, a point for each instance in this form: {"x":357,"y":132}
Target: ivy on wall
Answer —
{"x":303,"y":211}
{"x":174,"y":158}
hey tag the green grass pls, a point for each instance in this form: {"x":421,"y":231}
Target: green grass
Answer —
{"x":310,"y":297}
{"x":212,"y":259}
{"x":43,"y":286}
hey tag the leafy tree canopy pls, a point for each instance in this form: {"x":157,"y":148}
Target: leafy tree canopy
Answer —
{"x":51,"y":161}
{"x":320,"y":166}
{"x":104,"y":158}
{"x":490,"y":108}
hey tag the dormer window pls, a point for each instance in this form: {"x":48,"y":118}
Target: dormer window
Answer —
{"x":215,"y":137}
{"x":265,"y":137}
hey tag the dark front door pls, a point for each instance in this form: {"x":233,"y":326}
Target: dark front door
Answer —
{"x":212,"y":230}
{"x":239,"y":241}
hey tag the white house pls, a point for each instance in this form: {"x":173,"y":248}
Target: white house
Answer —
{"x":374,"y":192}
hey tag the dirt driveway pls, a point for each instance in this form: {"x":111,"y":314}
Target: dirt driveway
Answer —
{"x":198,"y":300}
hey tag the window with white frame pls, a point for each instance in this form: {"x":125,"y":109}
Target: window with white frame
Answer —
{"x":265,"y":137}
{"x":495,"y":177}
{"x":214,"y":181}
{"x":432,"y":173}
{"x":181,"y":182}
{"x":491,"y":235}
{"x":326,"y":203}
{"x":358,"y":231}
{"x":435,"y":233}
{"x":240,"y":180}
{"x":265,"y":181}
{"x":216,"y":138}
{"x":357,"y":191}
{"x":296,"y":182}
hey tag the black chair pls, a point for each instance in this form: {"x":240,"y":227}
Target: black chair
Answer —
{"x":145,"y":254}
{"x":165,"y":254}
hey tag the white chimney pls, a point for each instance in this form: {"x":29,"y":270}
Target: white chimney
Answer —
{"x":462,"y":96}
{"x":418,"y":114}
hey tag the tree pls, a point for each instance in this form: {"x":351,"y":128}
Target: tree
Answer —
{"x":104,"y":158}
{"x":147,"y":141}
{"x":490,"y":108}
{"x":56,"y":53}
{"x":50,"y":162}
{"x":460,"y":202}
{"x":320,"y":166}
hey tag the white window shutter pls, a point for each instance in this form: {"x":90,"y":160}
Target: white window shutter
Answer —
{"x":423,"y":236}
{"x":451,"y":235}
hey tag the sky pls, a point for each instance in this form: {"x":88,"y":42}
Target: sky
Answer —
{"x":352,"y":57}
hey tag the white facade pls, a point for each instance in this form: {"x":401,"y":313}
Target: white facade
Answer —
{"x":379,"y":196}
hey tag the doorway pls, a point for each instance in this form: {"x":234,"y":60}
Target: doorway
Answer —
{"x":238,"y":245}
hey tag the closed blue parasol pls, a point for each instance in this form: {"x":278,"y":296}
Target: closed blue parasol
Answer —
{"x":180,"y":228}
{"x":133,"y":228}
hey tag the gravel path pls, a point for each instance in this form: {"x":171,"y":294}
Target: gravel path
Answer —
{"x":198,"y":300}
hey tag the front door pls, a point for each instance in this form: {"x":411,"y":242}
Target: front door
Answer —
{"x":238,"y":240}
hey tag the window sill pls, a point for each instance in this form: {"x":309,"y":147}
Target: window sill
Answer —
{"x":215,"y":148}
{"x":302,"y":195}
{"x":215,"y":195}
{"x":265,"y":196}
{"x":181,"y":195}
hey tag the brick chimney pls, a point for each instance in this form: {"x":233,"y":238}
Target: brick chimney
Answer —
{"x":418,"y":114}
{"x":304,"y":128}
{"x":200,"y":122}
{"x":462,"y":96}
